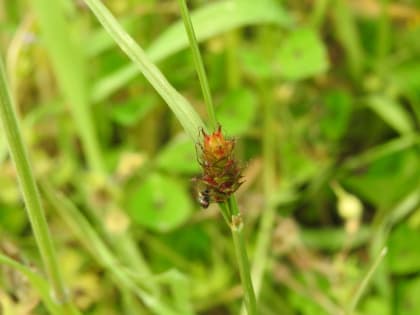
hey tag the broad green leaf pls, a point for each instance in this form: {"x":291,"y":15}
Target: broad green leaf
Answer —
{"x":237,"y":111}
{"x":255,"y":64}
{"x":375,"y":305}
{"x":134,"y":110}
{"x":160,"y":202}
{"x":229,"y":15}
{"x":407,"y":76}
{"x":301,"y":304}
{"x":392,"y":113}
{"x":333,"y":238}
{"x":408,"y":302}
{"x":302,"y":55}
{"x":192,"y":240}
{"x":297,"y":165}
{"x":178,"y":156}
{"x":217,"y":18}
{"x":400,"y":168}
{"x":336,"y":114}
{"x":179,"y":284}
{"x":403,"y":257}
{"x":380,"y":151}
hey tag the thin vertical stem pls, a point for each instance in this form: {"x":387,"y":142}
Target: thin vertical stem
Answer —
{"x":186,"y":115}
{"x":70,"y":68}
{"x":382,"y":38}
{"x":318,"y":12}
{"x":201,"y":71}
{"x":229,"y":208}
{"x":233,"y":206}
{"x":243,"y":263}
{"x":365,"y":281}
{"x":225,"y":210}
{"x":30,"y":193}
{"x":348,"y":35}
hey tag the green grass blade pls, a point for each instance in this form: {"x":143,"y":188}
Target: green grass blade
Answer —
{"x":379,"y":151}
{"x":392,"y":112}
{"x":3,"y":148}
{"x":228,"y":14}
{"x":100,"y":251}
{"x":365,"y":281}
{"x":68,"y":63}
{"x":242,"y":259}
{"x":37,"y":282}
{"x":348,"y":35}
{"x":29,"y":189}
{"x":199,"y":65}
{"x":183,"y":110}
{"x":99,"y":41}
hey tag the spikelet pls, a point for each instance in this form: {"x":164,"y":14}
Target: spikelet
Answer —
{"x":222,"y":174}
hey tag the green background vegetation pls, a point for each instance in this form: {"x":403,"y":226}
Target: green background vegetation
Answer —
{"x":323,"y":98}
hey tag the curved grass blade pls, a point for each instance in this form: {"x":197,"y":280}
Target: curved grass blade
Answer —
{"x":228,"y":14}
{"x":100,"y":251}
{"x":70,"y":69}
{"x":37,"y":282}
{"x":182,"y":109}
{"x":29,"y":190}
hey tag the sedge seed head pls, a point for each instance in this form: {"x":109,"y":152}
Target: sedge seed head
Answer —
{"x":216,"y":147}
{"x":222,"y":175}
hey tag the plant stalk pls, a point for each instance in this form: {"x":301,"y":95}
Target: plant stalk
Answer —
{"x":70,"y":69}
{"x":30,"y":194}
{"x":198,"y":61}
{"x":363,"y":285}
{"x":243,"y":263}
{"x":184,"y":112}
{"x":383,"y":38}
{"x":228,"y":209}
{"x":319,"y":12}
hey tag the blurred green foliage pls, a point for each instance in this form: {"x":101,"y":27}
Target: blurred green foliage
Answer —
{"x":343,"y":82}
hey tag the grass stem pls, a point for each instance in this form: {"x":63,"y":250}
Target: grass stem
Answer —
{"x":230,"y":208}
{"x":362,"y":287}
{"x":198,"y":61}
{"x":30,"y":194}
{"x":182,"y":109}
{"x":318,"y":13}
{"x":382,"y":38}
{"x":243,"y":263}
{"x":71,"y":72}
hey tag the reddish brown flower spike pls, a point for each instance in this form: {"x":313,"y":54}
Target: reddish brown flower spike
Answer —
{"x":221,"y":173}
